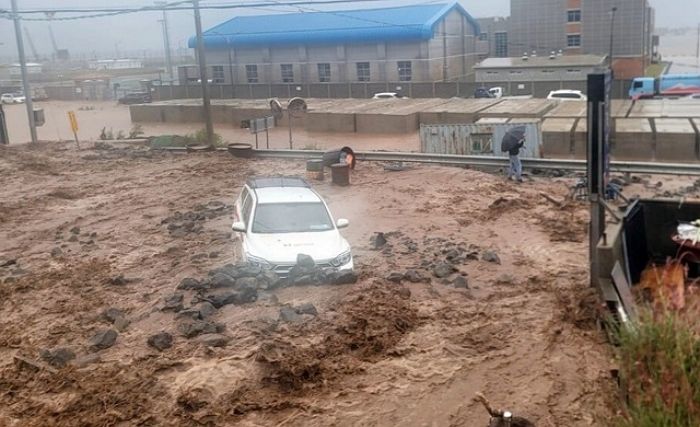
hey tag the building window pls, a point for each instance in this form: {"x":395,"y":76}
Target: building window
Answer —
{"x":218,"y":74}
{"x":362,"y":71}
{"x":251,"y":73}
{"x":501,"y":42}
{"x":516,"y":72}
{"x":573,"y":40}
{"x":547,"y":71}
{"x":404,"y":71}
{"x":324,"y":73}
{"x":573,"y":71}
{"x":483,"y":36}
{"x":573,"y":15}
{"x":287,"y":73}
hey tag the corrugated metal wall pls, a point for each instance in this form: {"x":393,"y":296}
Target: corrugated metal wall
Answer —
{"x":477,"y":140}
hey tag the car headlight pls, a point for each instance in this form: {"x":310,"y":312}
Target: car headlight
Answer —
{"x":257,"y":261}
{"x":341,"y":259}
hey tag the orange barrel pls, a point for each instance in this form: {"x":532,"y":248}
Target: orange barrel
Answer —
{"x":314,"y":169}
{"x":340,"y":174}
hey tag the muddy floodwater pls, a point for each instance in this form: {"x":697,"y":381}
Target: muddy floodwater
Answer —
{"x":477,"y":285}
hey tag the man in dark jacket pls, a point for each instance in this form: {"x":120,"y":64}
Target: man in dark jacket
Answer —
{"x":516,"y":168}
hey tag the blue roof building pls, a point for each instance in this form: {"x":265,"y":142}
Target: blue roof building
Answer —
{"x":430,"y":42}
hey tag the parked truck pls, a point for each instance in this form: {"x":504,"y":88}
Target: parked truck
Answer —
{"x":668,"y":85}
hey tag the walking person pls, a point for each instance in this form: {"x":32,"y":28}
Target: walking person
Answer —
{"x":513,"y":142}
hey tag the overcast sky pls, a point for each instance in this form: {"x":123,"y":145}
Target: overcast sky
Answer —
{"x":135,"y":33}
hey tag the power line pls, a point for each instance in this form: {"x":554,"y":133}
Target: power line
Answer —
{"x":175,"y":6}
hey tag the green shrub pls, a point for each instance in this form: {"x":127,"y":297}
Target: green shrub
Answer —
{"x":660,"y":370}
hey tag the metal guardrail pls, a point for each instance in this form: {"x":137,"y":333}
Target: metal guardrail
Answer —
{"x":495,"y":162}
{"x":651,"y":168}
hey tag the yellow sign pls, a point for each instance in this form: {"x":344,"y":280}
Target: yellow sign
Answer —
{"x":73,"y":121}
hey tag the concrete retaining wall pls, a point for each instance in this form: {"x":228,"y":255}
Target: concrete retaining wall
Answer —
{"x":634,"y":140}
{"x":675,"y":140}
{"x":557,"y":137}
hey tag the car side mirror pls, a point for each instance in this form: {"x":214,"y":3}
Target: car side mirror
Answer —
{"x":239,"y":226}
{"x":342,"y":223}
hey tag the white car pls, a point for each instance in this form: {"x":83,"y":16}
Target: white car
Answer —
{"x":567,"y":95}
{"x":496,"y":92}
{"x":12,"y":98}
{"x":279,"y":218}
{"x":388,"y":95}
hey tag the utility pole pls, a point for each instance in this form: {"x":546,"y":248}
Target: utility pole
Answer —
{"x":697,"y":49}
{"x":23,"y":68}
{"x":166,"y":41}
{"x":206,"y":103}
{"x":612,"y":39}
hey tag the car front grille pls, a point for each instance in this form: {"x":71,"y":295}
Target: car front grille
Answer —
{"x":283,"y":270}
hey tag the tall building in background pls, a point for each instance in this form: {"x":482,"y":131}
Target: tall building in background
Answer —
{"x":584,"y":27}
{"x":493,"y":38}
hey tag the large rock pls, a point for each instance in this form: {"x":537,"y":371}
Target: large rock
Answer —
{"x":491,"y":256}
{"x":289,"y":315}
{"x":377,"y":241}
{"x":345,"y":277}
{"x":160,"y":341}
{"x":173,"y":302}
{"x":247,"y":289}
{"x":460,"y":282}
{"x":213,"y":340}
{"x":443,"y":269}
{"x":221,"y":299}
{"x":58,"y":357}
{"x":413,"y":276}
{"x":197,"y":327}
{"x":395,"y":277}
{"x":205,"y":309}
{"x":306,"y":308}
{"x":269,"y":280}
{"x":221,"y":280}
{"x":305,"y":261}
{"x":103,"y":339}
{"x":190,"y":284}
{"x":112,"y":314}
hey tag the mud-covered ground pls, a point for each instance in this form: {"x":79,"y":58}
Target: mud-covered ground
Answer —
{"x":120,"y":228}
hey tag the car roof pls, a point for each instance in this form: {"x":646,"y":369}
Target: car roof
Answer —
{"x":277,"y":181}
{"x":578,"y":92}
{"x":270,"y":195}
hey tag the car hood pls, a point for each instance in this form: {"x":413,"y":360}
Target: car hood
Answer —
{"x":283,"y":248}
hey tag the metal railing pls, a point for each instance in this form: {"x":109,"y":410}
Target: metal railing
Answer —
{"x":651,"y":168}
{"x":494,"y":162}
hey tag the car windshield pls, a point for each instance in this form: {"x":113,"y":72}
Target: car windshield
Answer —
{"x":291,"y":218}
{"x":566,"y":95}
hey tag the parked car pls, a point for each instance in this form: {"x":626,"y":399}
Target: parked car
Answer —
{"x":13,"y":98}
{"x":695,"y":96}
{"x":279,"y":218}
{"x":135,"y":98}
{"x":567,"y":95}
{"x":496,"y":92}
{"x":482,"y":92}
{"x":388,"y":95}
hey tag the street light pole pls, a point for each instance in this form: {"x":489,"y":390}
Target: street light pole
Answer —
{"x":23,"y":68}
{"x":166,"y":41}
{"x":612,"y":29}
{"x":206,"y":103}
